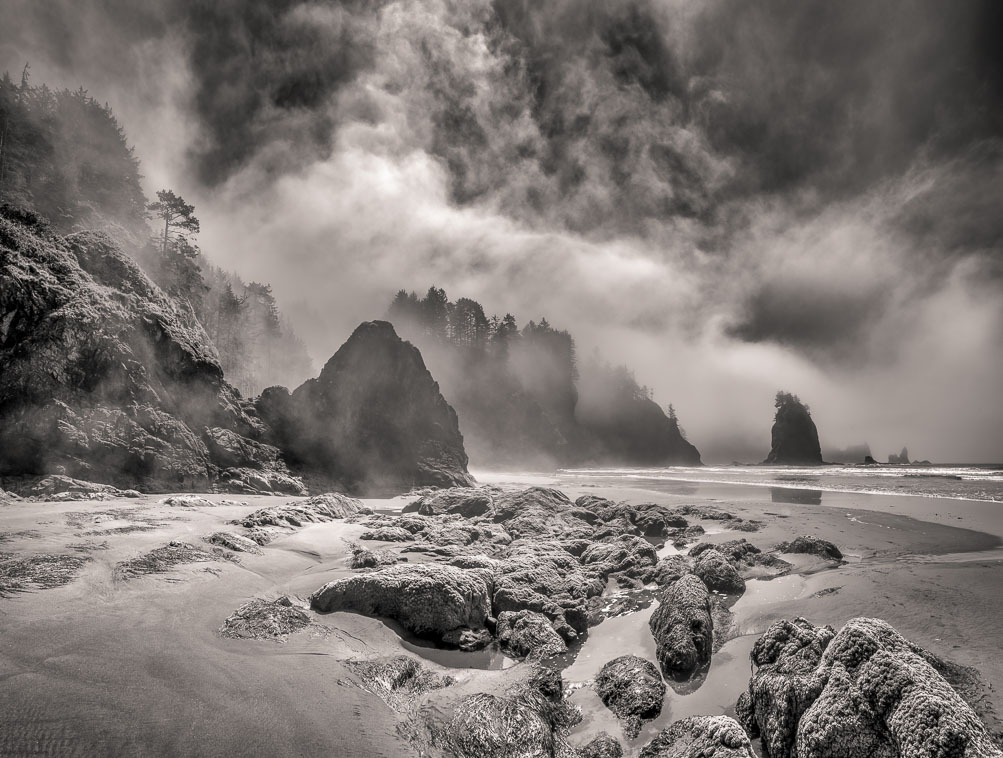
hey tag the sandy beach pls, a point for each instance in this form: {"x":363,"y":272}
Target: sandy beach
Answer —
{"x":135,"y":667}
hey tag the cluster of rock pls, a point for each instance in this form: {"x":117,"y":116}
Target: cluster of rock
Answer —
{"x":865,"y":690}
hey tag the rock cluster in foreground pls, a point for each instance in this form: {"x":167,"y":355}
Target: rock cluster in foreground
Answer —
{"x":864,"y":691}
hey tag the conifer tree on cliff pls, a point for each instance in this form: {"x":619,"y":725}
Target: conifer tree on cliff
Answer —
{"x":180,"y":272}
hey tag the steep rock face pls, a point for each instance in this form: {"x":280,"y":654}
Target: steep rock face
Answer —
{"x":794,"y":436}
{"x":373,"y":420}
{"x":634,"y":431}
{"x":103,"y":378}
{"x":865,"y":690}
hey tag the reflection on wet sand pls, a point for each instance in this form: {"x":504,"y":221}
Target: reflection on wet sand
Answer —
{"x":796,"y":496}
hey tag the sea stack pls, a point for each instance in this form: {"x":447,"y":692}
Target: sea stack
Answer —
{"x":795,"y":438}
{"x":373,"y":421}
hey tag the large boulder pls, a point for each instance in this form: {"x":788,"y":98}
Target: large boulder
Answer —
{"x":794,"y":436}
{"x":865,"y":690}
{"x":627,"y":555}
{"x":682,"y":627}
{"x":541,"y":512}
{"x":633,"y":689}
{"x":372,"y":421}
{"x":528,"y":634}
{"x":429,"y":600}
{"x":701,"y":737}
{"x":105,"y":379}
{"x":718,"y":573}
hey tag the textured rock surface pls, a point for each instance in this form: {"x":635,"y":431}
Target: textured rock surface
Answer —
{"x":682,"y":627}
{"x":794,"y":436}
{"x":468,"y":502}
{"x":265,"y":619}
{"x":104,"y":378}
{"x":527,"y":719}
{"x":236,"y":542}
{"x":528,"y":634}
{"x":602,"y":746}
{"x":633,"y":689}
{"x":811,"y":546}
{"x":398,"y":680}
{"x":627,"y":555}
{"x":701,"y":737}
{"x":373,"y":420}
{"x":315,"y":509}
{"x":429,"y":600}
{"x":718,"y":573}
{"x":865,"y":690}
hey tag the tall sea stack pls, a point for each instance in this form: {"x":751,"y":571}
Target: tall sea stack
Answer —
{"x":795,"y":438}
{"x":373,"y":421}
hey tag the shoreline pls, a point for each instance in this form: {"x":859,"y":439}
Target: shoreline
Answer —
{"x":84,"y":662}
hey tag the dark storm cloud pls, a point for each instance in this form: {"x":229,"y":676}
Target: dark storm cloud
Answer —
{"x":728,"y":195}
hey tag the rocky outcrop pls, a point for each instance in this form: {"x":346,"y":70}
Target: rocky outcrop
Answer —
{"x":701,"y":737}
{"x":429,"y":600}
{"x":541,"y":512}
{"x":318,"y":508}
{"x":901,"y":459}
{"x":528,"y":634}
{"x":811,"y":546}
{"x":468,"y":502}
{"x":265,"y":620}
{"x":106,"y":379}
{"x":863,"y":691}
{"x":718,"y":573}
{"x":633,"y":689}
{"x":794,"y":436}
{"x":372,"y":421}
{"x":398,"y":680}
{"x":626,"y":556}
{"x":682,"y":627}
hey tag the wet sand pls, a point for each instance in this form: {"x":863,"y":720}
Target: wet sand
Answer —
{"x":103,"y":666}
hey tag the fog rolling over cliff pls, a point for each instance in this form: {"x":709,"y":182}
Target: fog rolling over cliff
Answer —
{"x":726,"y":197}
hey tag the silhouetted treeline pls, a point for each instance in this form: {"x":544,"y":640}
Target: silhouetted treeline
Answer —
{"x":520,"y":394}
{"x":65,"y":157}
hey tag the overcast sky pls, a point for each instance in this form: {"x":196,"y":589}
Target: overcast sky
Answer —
{"x":731,"y":196}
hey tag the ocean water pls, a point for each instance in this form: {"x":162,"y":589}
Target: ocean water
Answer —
{"x":805,"y":484}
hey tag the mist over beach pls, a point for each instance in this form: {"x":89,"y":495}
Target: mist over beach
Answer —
{"x":501,"y":379}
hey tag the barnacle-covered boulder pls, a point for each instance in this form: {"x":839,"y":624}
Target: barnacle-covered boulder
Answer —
{"x":633,"y":689}
{"x":864,"y":691}
{"x":701,"y":737}
{"x":429,"y":600}
{"x":682,"y":627}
